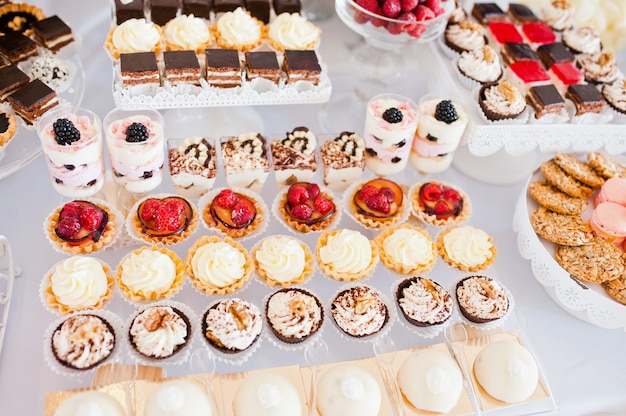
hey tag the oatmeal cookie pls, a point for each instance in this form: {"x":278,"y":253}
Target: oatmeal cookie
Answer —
{"x":616,"y":289}
{"x":605,"y":165}
{"x":551,"y":198}
{"x":563,"y":181}
{"x":566,"y":230}
{"x":578,"y":169}
{"x":595,"y":262}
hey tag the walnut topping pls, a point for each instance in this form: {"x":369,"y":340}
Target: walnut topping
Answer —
{"x":251,"y":143}
{"x":469,"y":25}
{"x":508,"y":90}
{"x":488,"y":54}
{"x":301,"y":139}
{"x":487,"y":286}
{"x":561,"y":4}
{"x":157,"y":320}
{"x":363,"y":303}
{"x":430,"y":287}
{"x":242,"y":317}
{"x":606,"y":59}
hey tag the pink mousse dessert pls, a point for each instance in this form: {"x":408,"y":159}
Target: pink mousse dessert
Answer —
{"x":390,"y":124}
{"x":136,"y":148}
{"x":72,"y":144}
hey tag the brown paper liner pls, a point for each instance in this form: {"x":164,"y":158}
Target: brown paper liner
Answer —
{"x":432,"y":219}
{"x":298,"y":280}
{"x":391,"y":264}
{"x":444,"y":255}
{"x":328,"y":270}
{"x":211,"y":222}
{"x":213,"y":290}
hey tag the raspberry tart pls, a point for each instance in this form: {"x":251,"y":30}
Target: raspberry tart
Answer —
{"x":306,"y":207}
{"x":82,"y":226}
{"x":232,"y":211}
{"x":377,"y":203}
{"x":439,"y":203}
{"x":164,"y":219}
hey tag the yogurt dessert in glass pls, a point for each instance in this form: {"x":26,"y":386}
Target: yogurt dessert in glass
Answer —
{"x":390,"y":125}
{"x":71,"y":140}
{"x":439,"y":130}
{"x":136,"y":148}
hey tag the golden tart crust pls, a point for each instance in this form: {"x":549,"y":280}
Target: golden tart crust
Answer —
{"x":306,"y":228}
{"x":453,"y":263}
{"x":235,"y":232}
{"x":377,"y":222}
{"x":388,"y":260}
{"x":432,"y":219}
{"x":166,"y":239}
{"x":9,"y":133}
{"x":328,"y":270}
{"x":306,"y":272}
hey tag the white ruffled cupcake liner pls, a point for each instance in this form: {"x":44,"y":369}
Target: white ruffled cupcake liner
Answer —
{"x":205,"y":201}
{"x":312,"y":264}
{"x":346,"y":204}
{"x":114,"y":320}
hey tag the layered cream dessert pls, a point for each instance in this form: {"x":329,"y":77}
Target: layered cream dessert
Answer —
{"x":246,"y":162}
{"x":293,"y":31}
{"x":294,"y":157}
{"x":267,"y":394}
{"x":72,"y":144}
{"x":390,"y":124}
{"x":136,"y":152}
{"x":159,"y":331}
{"x":343,"y":159}
{"x":232,"y":325}
{"x":193,"y":165}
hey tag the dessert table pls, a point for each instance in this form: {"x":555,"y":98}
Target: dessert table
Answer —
{"x":584,"y":364}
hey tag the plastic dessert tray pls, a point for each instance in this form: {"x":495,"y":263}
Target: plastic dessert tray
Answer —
{"x":586,"y":301}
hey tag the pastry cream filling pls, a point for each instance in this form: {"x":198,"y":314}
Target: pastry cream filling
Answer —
{"x":136,"y":35}
{"x":347,"y":251}
{"x":282,"y":258}
{"x":293,"y":31}
{"x":148,"y":271}
{"x":187,"y":32}
{"x":409,"y":248}
{"x":79,"y":282}
{"x":218,"y":264}
{"x":238,"y":27}
{"x":468,"y":246}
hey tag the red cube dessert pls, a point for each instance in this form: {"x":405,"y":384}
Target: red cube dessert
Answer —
{"x":567,"y":73}
{"x":538,"y":33}
{"x":529,"y":72}
{"x":504,"y":32}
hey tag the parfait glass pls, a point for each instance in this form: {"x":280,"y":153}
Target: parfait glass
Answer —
{"x":379,"y":63}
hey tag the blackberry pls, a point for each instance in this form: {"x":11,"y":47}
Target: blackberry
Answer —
{"x":136,"y":132}
{"x":446,"y":112}
{"x":392,"y":115}
{"x":65,"y":132}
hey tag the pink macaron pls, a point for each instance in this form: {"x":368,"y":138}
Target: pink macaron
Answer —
{"x":608,"y":220}
{"x":614,"y":190}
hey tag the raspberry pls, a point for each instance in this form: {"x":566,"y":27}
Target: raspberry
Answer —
{"x":446,"y":112}
{"x":417,"y":31}
{"x":136,"y":132}
{"x":394,"y":28}
{"x":378,"y":22}
{"x":367,"y":192}
{"x":150,"y":208}
{"x":91,"y":218}
{"x":71,"y":210}
{"x":389,"y":194}
{"x":408,"y":5}
{"x":378,"y":203}
{"x":392,"y":115}
{"x":314,"y":190}
{"x":452,"y":195}
{"x":409,"y":21}
{"x":176,"y":205}
{"x":391,"y":8}
{"x":297,"y":195}
{"x":166,"y":219}
{"x":441,"y":207}
{"x":68,"y":227}
{"x":361,"y":17}
{"x":424,"y":13}
{"x":369,"y":5}
{"x":226,"y":198}
{"x":302,"y":211}
{"x":65,"y":132}
{"x":240,"y":214}
{"x":323,"y":205}
{"x":431,"y":192}
{"x":435,"y":6}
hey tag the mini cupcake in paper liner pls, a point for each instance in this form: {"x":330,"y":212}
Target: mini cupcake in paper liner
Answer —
{"x":294,"y":318}
{"x":363,"y":202}
{"x":346,"y":255}
{"x":161,"y":333}
{"x":237,"y":213}
{"x":466,"y":248}
{"x":501,"y":103}
{"x":434,"y":193}
{"x":75,"y":284}
{"x":318,"y":221}
{"x":615,"y":96}
{"x":69,"y":354}
{"x":232,"y":327}
{"x":479,"y":67}
{"x":483,"y":301}
{"x":162,"y":219}
{"x":406,"y":249}
{"x":283,"y":261}
{"x":218,"y":266}
{"x":86,"y":241}
{"x":150,"y":273}
{"x":425,"y":306}
{"x":361,"y":313}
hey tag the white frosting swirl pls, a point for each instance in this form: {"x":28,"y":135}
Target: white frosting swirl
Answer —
{"x":239,"y":28}
{"x":293,"y":31}
{"x":148,"y":271}
{"x":218,"y":264}
{"x":187,"y":32}
{"x":234,"y":323}
{"x":294,"y":313}
{"x":467,"y":36}
{"x":346,"y":251}
{"x":600,"y":68}
{"x":615,"y":94}
{"x":281,"y":258}
{"x":136,"y":35}
{"x":558,"y":18}
{"x":79,"y":282}
{"x":482,"y":64}
{"x":158,"y":331}
{"x":409,"y":247}
{"x":583,"y":39}
{"x":468,"y":246}
{"x":505,"y":100}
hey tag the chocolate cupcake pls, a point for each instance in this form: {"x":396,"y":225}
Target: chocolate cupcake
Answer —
{"x":232,"y":325}
{"x":481,"y":299}
{"x":83,"y":341}
{"x":423,"y":302}
{"x":501,"y":101}
{"x":294,"y":315}
{"x":359,"y":311}
{"x":159,"y":331}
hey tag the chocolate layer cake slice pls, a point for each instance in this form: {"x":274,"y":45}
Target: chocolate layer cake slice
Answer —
{"x":139,"y":68}
{"x":545,"y":99}
{"x":301,"y":66}
{"x":33,"y":100}
{"x":125,"y":9}
{"x":11,"y":78}
{"x":586,"y":98}
{"x":162,"y":11}
{"x":52,"y":32}
{"x":199,"y":8}
{"x":517,"y":51}
{"x":16,"y":47}
{"x":262,"y":64}
{"x":223,"y":68}
{"x":552,"y":53}
{"x":182,"y":67}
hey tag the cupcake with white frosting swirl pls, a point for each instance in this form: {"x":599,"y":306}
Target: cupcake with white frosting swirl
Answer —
{"x":134,"y":35}
{"x":502,"y":101}
{"x":282,"y":260}
{"x":239,"y":30}
{"x":293,"y":31}
{"x":159,"y":331}
{"x":187,"y":32}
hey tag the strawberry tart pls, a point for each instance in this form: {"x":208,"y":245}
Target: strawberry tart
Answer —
{"x":439,"y":203}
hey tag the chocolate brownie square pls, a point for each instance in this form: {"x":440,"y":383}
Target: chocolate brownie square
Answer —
{"x":301,"y":66}
{"x":521,"y":13}
{"x":545,"y":99}
{"x":162,"y":11}
{"x":125,"y":10}
{"x":517,"y":51}
{"x":33,"y":100}
{"x":551,"y":53}
{"x":259,"y":9}
{"x":586,"y":97}
{"x":182,"y":67}
{"x":11,"y":79}
{"x":139,"y":68}
{"x":262,"y":64}
{"x":16,"y":47}
{"x":52,"y":32}
{"x":199,"y":8}
{"x":486,"y":13}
